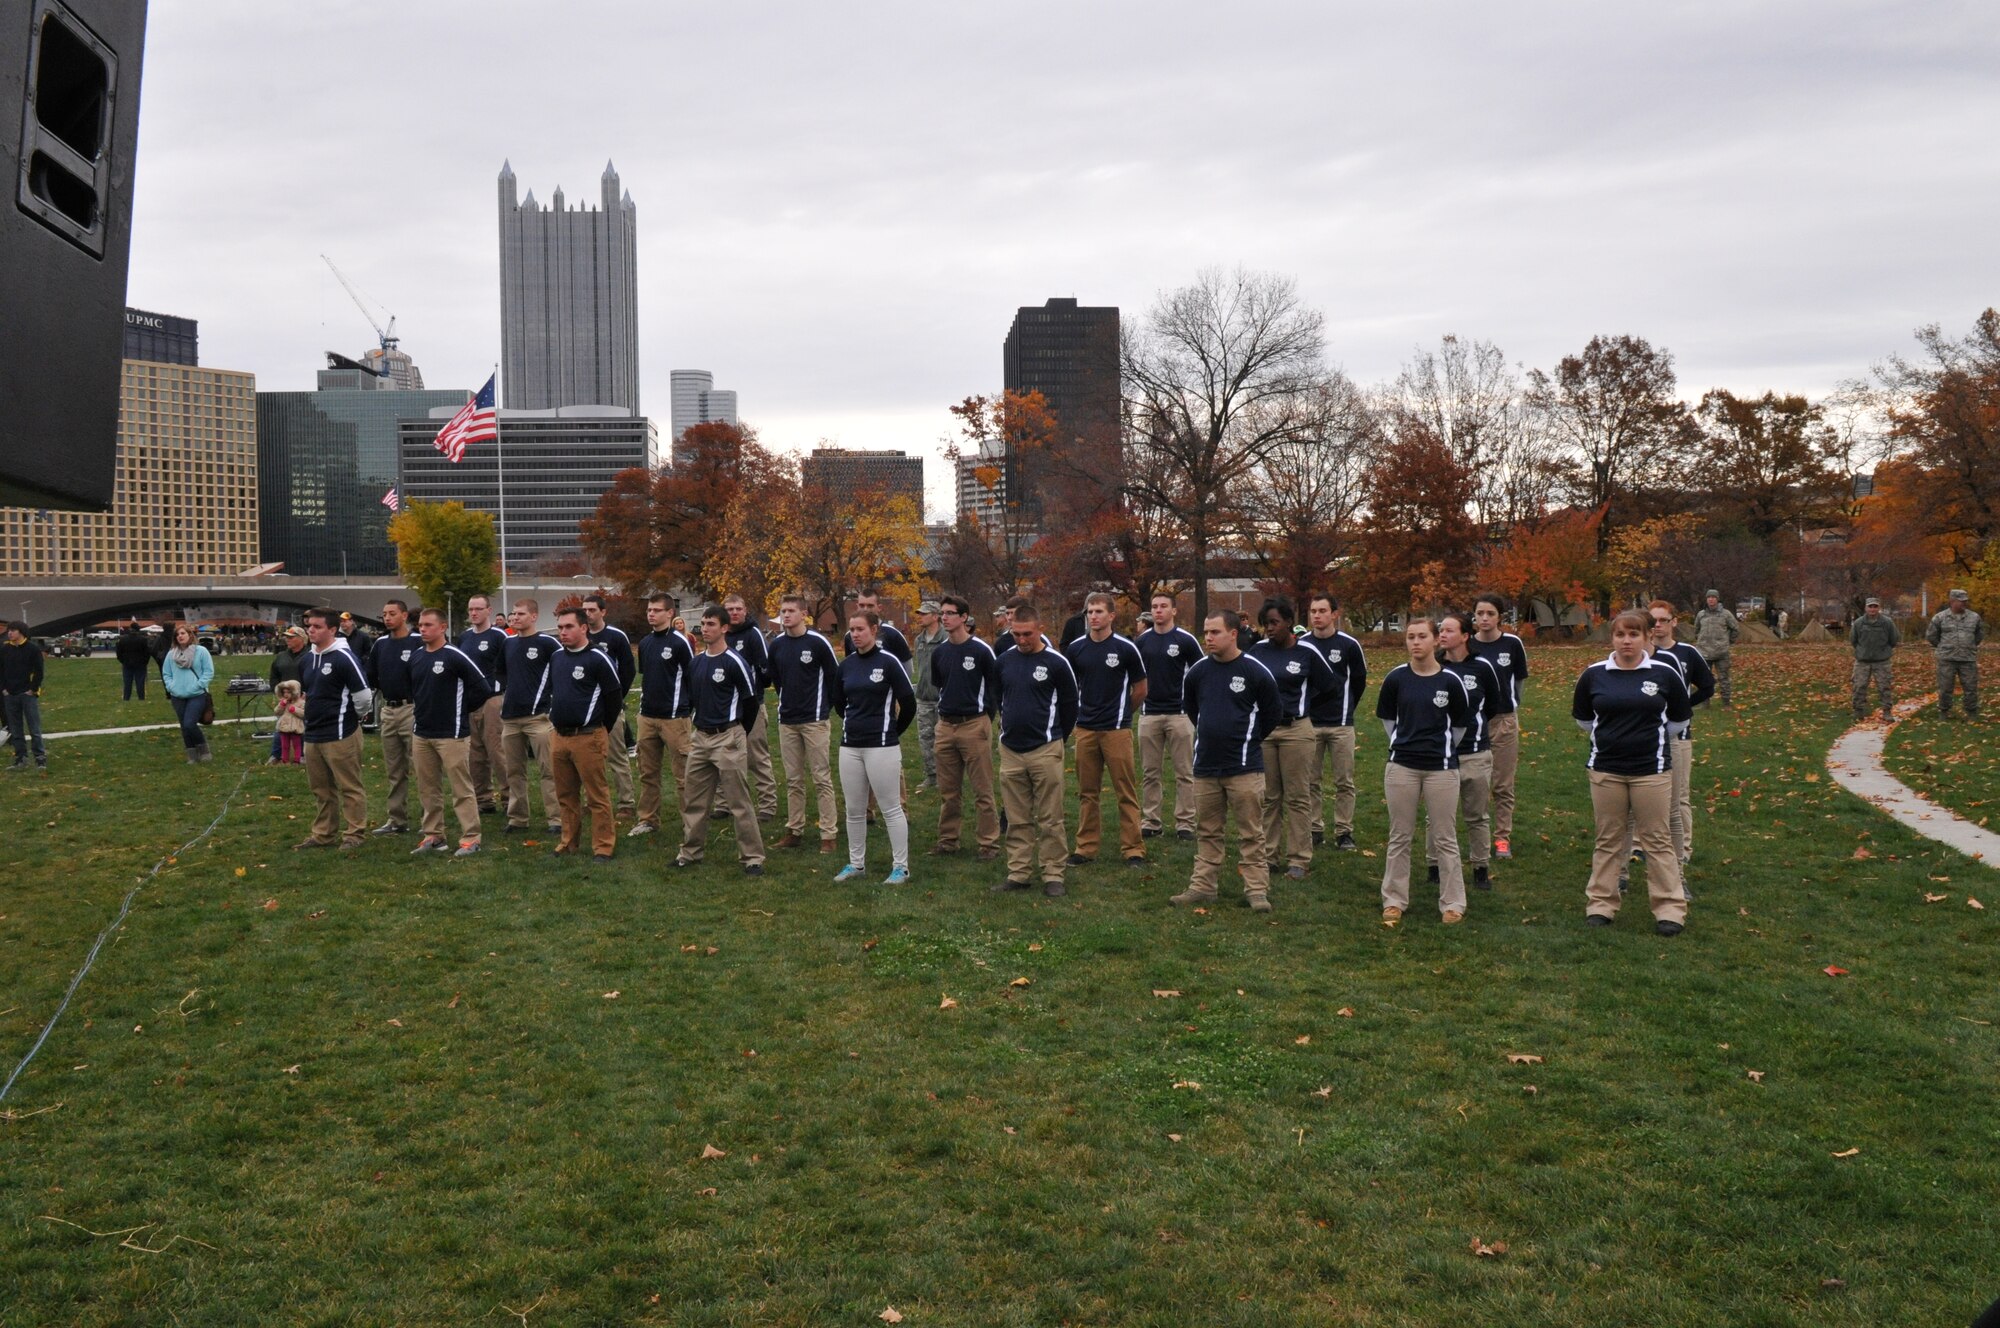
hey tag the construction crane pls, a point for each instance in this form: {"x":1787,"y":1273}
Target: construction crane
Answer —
{"x":387,"y":336}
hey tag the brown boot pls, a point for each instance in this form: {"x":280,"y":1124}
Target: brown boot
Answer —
{"x":792,"y":840}
{"x":1192,"y":896}
{"x":828,"y":845}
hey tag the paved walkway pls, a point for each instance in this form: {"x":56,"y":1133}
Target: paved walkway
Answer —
{"x":1855,"y":761}
{"x":138,"y":728}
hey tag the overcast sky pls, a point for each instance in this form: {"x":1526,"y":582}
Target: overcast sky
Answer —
{"x":841,"y":206}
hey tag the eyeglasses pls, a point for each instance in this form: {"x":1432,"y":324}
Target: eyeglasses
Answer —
{"x":1663,"y":622}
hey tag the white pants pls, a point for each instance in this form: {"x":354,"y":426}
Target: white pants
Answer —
{"x":878,"y":770}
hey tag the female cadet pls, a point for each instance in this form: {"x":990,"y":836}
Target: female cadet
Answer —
{"x":877,"y":704}
{"x":1425,"y":711}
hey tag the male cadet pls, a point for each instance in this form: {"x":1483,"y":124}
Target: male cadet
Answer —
{"x":1955,"y":634}
{"x":1700,"y":682}
{"x":666,"y":709}
{"x":1333,"y":719}
{"x":746,"y":638}
{"x":891,"y":640}
{"x":525,"y":730}
{"x":1037,"y":712}
{"x":1232,"y":701}
{"x":718,"y":766}
{"x":1110,"y":685}
{"x":334,"y":683}
{"x":1475,"y":753}
{"x":807,"y":674}
{"x":586,"y":683}
{"x":1874,"y":638}
{"x":1715,"y":631}
{"x":965,"y":674}
{"x":389,"y":675}
{"x":1303,"y":677}
{"x":448,"y":688}
{"x":486,"y":646}
{"x":1165,"y":733}
{"x":1508,"y":655}
{"x":617,"y":648}
{"x":928,"y":638}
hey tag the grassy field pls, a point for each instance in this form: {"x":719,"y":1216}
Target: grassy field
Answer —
{"x":1955,"y":763}
{"x":333,"y":1089}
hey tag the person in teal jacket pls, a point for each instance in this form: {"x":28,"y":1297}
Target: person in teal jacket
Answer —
{"x":187,"y":671}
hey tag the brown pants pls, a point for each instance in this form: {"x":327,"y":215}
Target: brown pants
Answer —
{"x":442,"y":760}
{"x":1337,"y":743}
{"x":618,"y":762}
{"x":1645,"y":801}
{"x":579,"y":773}
{"x":718,"y":771}
{"x":1436,"y":791}
{"x":488,"y":754}
{"x":523,"y":740}
{"x":659,"y":738}
{"x":1099,"y":751}
{"x":1163,"y":739}
{"x":1215,"y":800}
{"x":965,"y":756}
{"x":1031,"y":785}
{"x":803,"y":749}
{"x":1288,"y":758}
{"x":759,"y":751}
{"x":398,"y":727}
{"x":333,"y":772}
{"x":1475,"y":797}
{"x":1505,"y":730}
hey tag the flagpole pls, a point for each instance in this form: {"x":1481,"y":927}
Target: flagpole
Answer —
{"x":500,"y":460}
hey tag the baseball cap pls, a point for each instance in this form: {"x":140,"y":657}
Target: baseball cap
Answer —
{"x":295,"y":631}
{"x":928,"y":606}
{"x":1960,"y":594}
{"x":1872,"y":603}
{"x":1706,"y":593}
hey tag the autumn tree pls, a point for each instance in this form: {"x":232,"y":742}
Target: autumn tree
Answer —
{"x":827,"y":550}
{"x":1554,"y":561}
{"x":997,"y":441}
{"x":1886,"y":550}
{"x":1467,"y":395}
{"x":1418,"y":529}
{"x":1769,"y":462}
{"x":1944,"y":413}
{"x":446,"y":553}
{"x":1219,"y":375}
{"x":1302,"y":516}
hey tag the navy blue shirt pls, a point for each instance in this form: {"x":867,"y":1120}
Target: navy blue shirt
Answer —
{"x":967,"y":678}
{"x":617,"y":648}
{"x":1301,"y":674}
{"x":1700,"y":678}
{"x":808,"y":676}
{"x":886,"y":637}
{"x":1037,"y":699}
{"x":1106,"y":673}
{"x":1482,"y":689}
{"x":1234,"y":707}
{"x":878,"y":702}
{"x":332,"y":677}
{"x":1425,"y":717}
{"x":666,"y":689}
{"x":1630,"y":714}
{"x":748,"y":643}
{"x":530,"y":660}
{"x":1168,"y":656}
{"x":389,"y":665}
{"x":1342,"y":653}
{"x":725,"y":692}
{"x":487,"y":649}
{"x":586,"y":688}
{"x":1509,"y":657}
{"x":446,"y":683}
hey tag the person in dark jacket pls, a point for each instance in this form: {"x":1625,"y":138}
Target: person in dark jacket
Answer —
{"x":1304,"y":679}
{"x":617,"y":647}
{"x":746,"y":638}
{"x":726,"y":707}
{"x":1165,"y":735}
{"x":1111,"y":686}
{"x":21,"y":673}
{"x":584,"y":685}
{"x":1425,"y":712}
{"x":1232,"y":701}
{"x":807,"y":675}
{"x":666,"y":709}
{"x":448,"y":689}
{"x":485,"y":644}
{"x":335,"y":684}
{"x":526,"y":733}
{"x":1333,"y":719}
{"x":966,"y":674}
{"x":133,"y":658}
{"x":1038,"y":698}
{"x":1874,"y":639}
{"x":877,"y":705}
{"x":1700,"y":682}
{"x":395,"y":721}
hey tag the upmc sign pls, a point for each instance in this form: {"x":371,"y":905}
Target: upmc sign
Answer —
{"x":134,"y":318}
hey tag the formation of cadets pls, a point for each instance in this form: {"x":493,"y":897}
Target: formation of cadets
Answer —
{"x":1253,"y":719}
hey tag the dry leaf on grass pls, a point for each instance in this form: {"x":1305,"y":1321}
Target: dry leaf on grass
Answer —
{"x":1485,"y":1251}
{"x":710,"y":1151}
{"x":947,"y":1003}
{"x":1345,"y":1012}
{"x":270,"y":905}
{"x":1163,"y":994}
{"x":708,"y":1193}
{"x":452,"y":1004}
{"x":1970,"y":902}
{"x":1834,"y":971}
{"x":1324,"y":1090}
{"x":1930,"y":898}
{"x":1303,"y":1039}
{"x":1009,"y":1129}
{"x":1522,"y":1058}
{"x":1187,"y":1083}
{"x":1851,"y":1152}
{"x":1754,"y":1076}
{"x":711,"y":950}
{"x":291,"y":1069}
{"x":1530,"y":1090}
{"x":690,"y":949}
{"x":1173,"y":1138}
{"x":1021,"y":982}
{"x":869,"y":945}
{"x":1034,"y":946}
{"x":395,"y":1023}
{"x":240,"y":871}
{"x":610,"y":995}
{"x":890,"y":1314}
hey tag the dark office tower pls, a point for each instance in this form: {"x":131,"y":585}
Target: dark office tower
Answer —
{"x":845,"y":473}
{"x":569,"y":300}
{"x":1069,"y":354}
{"x":161,"y":338}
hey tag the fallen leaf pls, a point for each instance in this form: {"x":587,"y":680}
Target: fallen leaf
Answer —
{"x":1834,"y":971}
{"x":708,"y":1193}
{"x":750,"y":1053}
{"x":711,"y":950}
{"x":1010,"y":1129}
{"x":316,"y":915}
{"x":242,"y":871}
{"x":1940,"y":878}
{"x":1531,"y":1090}
{"x":1862,"y":852}
{"x":1485,"y":1251}
{"x":270,"y":905}
{"x":1021,"y":982}
{"x":1345,"y":1012}
{"x":1174,"y":1138}
{"x":610,"y":995}
{"x":1163,"y":994}
{"x":889,"y":1315}
{"x":291,"y":1069}
{"x":947,"y":1004}
{"x":866,"y":945}
{"x":1302,"y":1039}
{"x":1930,"y":898}
{"x":138,"y":1028}
{"x":452,"y":1004}
{"x":1522,"y":1058}
{"x":1367,"y":852}
{"x":709,"y":1151}
{"x":1034,"y":946}
{"x":1187,"y":1083}
{"x":1848,"y":1153}
{"x":1831,"y":1283}
{"x":690,"y":949}
{"x":1324,"y":1090}
{"x":1202,"y":911}
{"x":1970,"y":902}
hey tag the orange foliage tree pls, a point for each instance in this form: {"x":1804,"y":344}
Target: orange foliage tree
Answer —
{"x":1554,"y":561}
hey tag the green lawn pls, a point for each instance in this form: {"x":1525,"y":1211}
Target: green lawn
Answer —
{"x":382,"y":1090}
{"x":1953,"y":762}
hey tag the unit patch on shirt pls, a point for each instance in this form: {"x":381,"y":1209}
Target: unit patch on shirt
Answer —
{"x":484,"y":644}
{"x":438,"y":667}
{"x":534,"y":652}
{"x":970,"y":664}
{"x":1506,"y":658}
{"x":1041,"y":673}
{"x":875,"y":675}
{"x":577,"y":673}
{"x":1293,"y":668}
{"x":1111,"y":661}
{"x":1236,"y":684}
{"x":1173,"y":650}
{"x":1440,"y":700}
{"x":1650,"y":688}
{"x":717,"y":676}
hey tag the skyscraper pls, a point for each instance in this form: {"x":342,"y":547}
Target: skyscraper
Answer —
{"x":844,"y":472}
{"x":1068,"y":353}
{"x":696,"y":401}
{"x":569,"y":300}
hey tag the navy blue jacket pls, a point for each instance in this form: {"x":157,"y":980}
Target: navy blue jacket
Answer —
{"x":389,"y":665}
{"x":1106,"y":673}
{"x":967,"y":678}
{"x":725,"y":692}
{"x":1508,"y":655}
{"x":1700,"y":678}
{"x":617,"y":648}
{"x":748,"y":642}
{"x":888,"y":638}
{"x":530,"y":661}
{"x":1234,"y":707}
{"x":807,"y":674}
{"x":1342,"y":653}
{"x":1168,"y":656}
{"x":586,"y":688}
{"x":1301,"y":673}
{"x":666,"y":684}
{"x":1483,"y":689}
{"x":331,"y":678}
{"x":1425,"y":717}
{"x":446,"y":683}
{"x":1631,"y":713}
{"x":878,"y":702}
{"x":1037,"y":699}
{"x":487,"y":649}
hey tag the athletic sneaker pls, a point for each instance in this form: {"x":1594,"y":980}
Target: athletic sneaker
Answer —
{"x":848,"y":873}
{"x":468,"y":848}
{"x":390,"y":828}
{"x":430,"y":844}
{"x":1501,"y":849}
{"x":643,"y":828}
{"x":1346,"y":844}
{"x":897,"y":876}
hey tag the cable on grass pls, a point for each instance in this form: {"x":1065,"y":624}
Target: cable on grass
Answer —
{"x":124,"y":908}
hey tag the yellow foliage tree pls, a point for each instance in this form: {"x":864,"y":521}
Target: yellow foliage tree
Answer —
{"x":446,"y":554}
{"x":827,"y":550}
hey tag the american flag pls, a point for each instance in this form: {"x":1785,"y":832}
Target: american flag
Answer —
{"x":474,"y":424}
{"x":391,"y":501}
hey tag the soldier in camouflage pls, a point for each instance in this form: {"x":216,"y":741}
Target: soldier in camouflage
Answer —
{"x":1955,"y":634}
{"x":1874,"y":638}
{"x":1715,"y":630}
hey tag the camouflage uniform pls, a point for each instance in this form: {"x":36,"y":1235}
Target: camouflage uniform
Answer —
{"x":1955,"y":637}
{"x":1874,"y":640}
{"x":1715,"y":630}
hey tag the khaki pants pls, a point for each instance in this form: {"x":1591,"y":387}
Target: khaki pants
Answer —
{"x":1505,"y":732}
{"x":1882,"y":676}
{"x":1164,"y":738}
{"x":1646,"y":802}
{"x":1215,"y":800}
{"x":580,"y":781}
{"x":965,"y":756}
{"x":1031,"y":786}
{"x":447,"y":759}
{"x":927,"y":722}
{"x":718,"y":771}
{"x":1437,"y":790}
{"x":1288,"y":755}
{"x":522,"y":740}
{"x":1337,"y":742}
{"x":1683,"y":791}
{"x":1099,"y":751}
{"x":657,"y":738}
{"x":1475,"y":799}
{"x":1966,"y":674}
{"x":398,"y":727}
{"x":1719,"y":666}
{"x":759,"y":747}
{"x":333,"y":772}
{"x":618,"y":762}
{"x":488,"y":756}
{"x":803,"y":748}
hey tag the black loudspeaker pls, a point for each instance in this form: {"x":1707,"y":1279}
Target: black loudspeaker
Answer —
{"x":72,"y":69}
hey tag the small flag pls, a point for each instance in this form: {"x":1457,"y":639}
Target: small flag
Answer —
{"x":391,"y":501}
{"x":475,"y":423}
